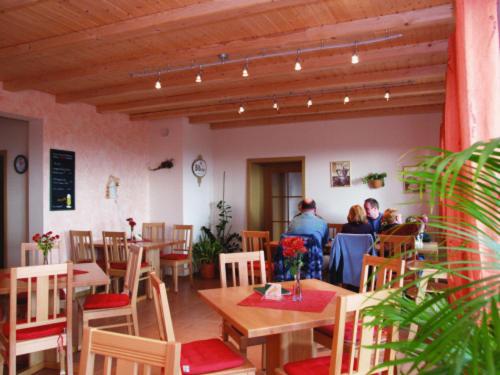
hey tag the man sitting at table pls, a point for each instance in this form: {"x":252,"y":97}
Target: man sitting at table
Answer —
{"x":309,"y":223}
{"x":373,"y":214}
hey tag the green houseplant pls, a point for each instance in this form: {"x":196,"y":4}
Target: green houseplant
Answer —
{"x":229,"y":241}
{"x":457,"y":330}
{"x":206,"y":255}
{"x":375,"y":180}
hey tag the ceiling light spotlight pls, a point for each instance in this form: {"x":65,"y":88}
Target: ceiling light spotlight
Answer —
{"x":241,"y":109}
{"x":276,"y":105}
{"x":355,"y":56}
{"x":298,"y":65}
{"x":346,"y":99}
{"x":158,"y":83}
{"x":244,"y":73}
{"x":387,"y":95}
{"x":198,"y":77}
{"x":309,"y":102}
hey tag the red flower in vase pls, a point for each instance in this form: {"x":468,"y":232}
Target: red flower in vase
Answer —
{"x":293,"y":246}
{"x":132,"y":223}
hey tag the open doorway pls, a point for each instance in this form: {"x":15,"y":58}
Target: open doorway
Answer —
{"x":275,"y":186}
{"x":3,"y":207}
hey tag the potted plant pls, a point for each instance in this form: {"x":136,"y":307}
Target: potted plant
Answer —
{"x":206,"y":254}
{"x":375,"y":180}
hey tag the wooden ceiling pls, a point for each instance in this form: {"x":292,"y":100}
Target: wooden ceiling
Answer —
{"x":86,"y":51}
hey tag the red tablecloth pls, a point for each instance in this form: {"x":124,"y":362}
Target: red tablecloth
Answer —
{"x":312,"y":301}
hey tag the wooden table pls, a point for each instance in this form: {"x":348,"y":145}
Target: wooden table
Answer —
{"x":289,"y":333}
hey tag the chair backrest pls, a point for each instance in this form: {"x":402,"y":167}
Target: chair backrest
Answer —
{"x":397,"y":246}
{"x":362,"y":358}
{"x":125,"y":354}
{"x":378,"y":272}
{"x":183,"y":233}
{"x":82,"y":246}
{"x":131,"y":280}
{"x":165,"y":325}
{"x":43,"y":307}
{"x":334,"y":229}
{"x":115,"y":247}
{"x":153,"y":231}
{"x":254,"y":240}
{"x":31,"y":255}
{"x":245,"y":262}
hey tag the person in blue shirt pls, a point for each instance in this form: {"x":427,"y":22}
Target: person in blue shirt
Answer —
{"x":373,"y":214}
{"x":309,"y":223}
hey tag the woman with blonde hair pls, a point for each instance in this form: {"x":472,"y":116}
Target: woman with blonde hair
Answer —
{"x":357,"y":223}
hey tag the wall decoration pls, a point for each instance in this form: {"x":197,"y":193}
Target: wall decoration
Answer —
{"x":166,"y":164}
{"x":62,"y":180}
{"x":340,"y":173}
{"x":199,"y":168}
{"x":375,"y":180}
{"x":21,"y":164}
{"x":112,"y":187}
{"x":409,"y":187}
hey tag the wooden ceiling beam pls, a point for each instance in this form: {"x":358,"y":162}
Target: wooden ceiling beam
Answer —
{"x":203,"y":12}
{"x":11,"y":5}
{"x":399,"y":22}
{"x":354,"y":105}
{"x":330,"y":116}
{"x":258,"y":70}
{"x":319,"y":98}
{"x":310,"y":82}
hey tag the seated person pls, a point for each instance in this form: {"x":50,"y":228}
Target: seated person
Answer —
{"x":309,"y":223}
{"x":373,"y":214}
{"x":357,"y":222}
{"x":392,"y":223}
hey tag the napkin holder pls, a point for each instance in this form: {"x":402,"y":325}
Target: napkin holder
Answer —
{"x":273,"y":292}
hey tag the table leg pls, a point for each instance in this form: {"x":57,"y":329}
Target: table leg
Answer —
{"x":288,"y":347}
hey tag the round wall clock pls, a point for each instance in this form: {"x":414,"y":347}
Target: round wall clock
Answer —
{"x":21,"y":164}
{"x":199,"y":168}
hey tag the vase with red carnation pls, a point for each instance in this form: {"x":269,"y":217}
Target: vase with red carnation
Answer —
{"x":293,"y":250}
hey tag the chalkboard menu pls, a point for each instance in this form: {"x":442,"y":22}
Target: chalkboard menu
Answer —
{"x":62,"y":180}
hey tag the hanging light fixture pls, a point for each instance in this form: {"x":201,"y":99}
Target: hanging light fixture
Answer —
{"x":387,"y":95}
{"x":309,"y":102}
{"x":244,"y":73}
{"x":276,"y":105}
{"x":198,"y":76}
{"x":158,"y":83}
{"x":298,"y":65}
{"x":346,"y":99}
{"x":355,"y":56}
{"x":241,"y":109}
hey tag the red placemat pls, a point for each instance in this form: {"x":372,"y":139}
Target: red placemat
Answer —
{"x":312,"y":301}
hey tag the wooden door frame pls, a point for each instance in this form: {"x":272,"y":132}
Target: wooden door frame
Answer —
{"x":251,"y":162}
{"x":4,"y":213}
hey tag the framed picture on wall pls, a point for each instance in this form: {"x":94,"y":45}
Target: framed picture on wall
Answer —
{"x":340,"y":173}
{"x":408,"y":185}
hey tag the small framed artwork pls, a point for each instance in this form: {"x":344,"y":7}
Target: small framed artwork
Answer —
{"x":340,"y":173}
{"x":408,"y":185}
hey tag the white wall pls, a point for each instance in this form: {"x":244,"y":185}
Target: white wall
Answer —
{"x":371,"y":144}
{"x":14,"y":139}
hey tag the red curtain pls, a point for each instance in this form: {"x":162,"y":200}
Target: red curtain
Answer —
{"x":472,"y":106}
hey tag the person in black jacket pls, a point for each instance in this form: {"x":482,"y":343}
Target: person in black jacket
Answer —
{"x":357,"y":222}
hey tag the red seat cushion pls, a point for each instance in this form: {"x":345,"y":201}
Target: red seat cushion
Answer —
{"x":200,"y":357}
{"x":106,"y":301}
{"x":174,"y":256}
{"x":123,"y":266}
{"x":256,"y":265}
{"x":35,"y":332}
{"x":317,"y":366}
{"x":348,"y":333}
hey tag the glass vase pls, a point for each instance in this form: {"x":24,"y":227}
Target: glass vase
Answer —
{"x":297,"y":288}
{"x":45,"y":259}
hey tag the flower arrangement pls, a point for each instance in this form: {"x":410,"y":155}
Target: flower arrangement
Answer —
{"x":45,"y":242}
{"x":132,"y":224}
{"x":293,"y":249}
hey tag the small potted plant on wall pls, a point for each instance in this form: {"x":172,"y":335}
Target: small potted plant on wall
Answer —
{"x":206,"y":254}
{"x":375,"y":180}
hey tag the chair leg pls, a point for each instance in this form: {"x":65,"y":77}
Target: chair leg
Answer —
{"x":69,"y":353}
{"x":12,"y":360}
{"x":129,"y":324}
{"x":136,"y":323}
{"x":175,"y":276}
{"x":149,"y":290}
{"x":190,"y":265}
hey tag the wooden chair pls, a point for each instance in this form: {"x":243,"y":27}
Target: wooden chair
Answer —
{"x":356,"y":357}
{"x":334,"y":229}
{"x":153,"y":232}
{"x":127,"y":353}
{"x":83,"y":251}
{"x":112,"y":305}
{"x":211,"y":348}
{"x":31,"y":255}
{"x":245,"y":263}
{"x":252,"y":240}
{"x":116,"y":253}
{"x":397,"y":246}
{"x":377,"y":273}
{"x":45,"y":326}
{"x":180,"y":254}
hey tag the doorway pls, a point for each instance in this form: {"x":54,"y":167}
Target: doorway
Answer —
{"x":275,"y":186}
{"x":3,"y":207}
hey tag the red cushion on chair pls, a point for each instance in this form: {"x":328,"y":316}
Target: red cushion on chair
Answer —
{"x":256,"y":265}
{"x":174,"y":256}
{"x":123,"y":266}
{"x":105,"y":301}
{"x":316,"y":366}
{"x":35,"y":332}
{"x":348,"y":333}
{"x":200,"y":357}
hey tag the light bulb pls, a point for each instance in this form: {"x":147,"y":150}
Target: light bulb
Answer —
{"x":244,"y":73}
{"x":387,"y":95}
{"x":276,"y":105}
{"x":241,"y":109}
{"x":198,"y":77}
{"x":355,"y":58}
{"x":346,"y":99}
{"x":298,"y":66}
{"x":158,"y":84}
{"x":309,"y":103}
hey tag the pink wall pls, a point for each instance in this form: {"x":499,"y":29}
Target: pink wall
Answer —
{"x":104,"y":144}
